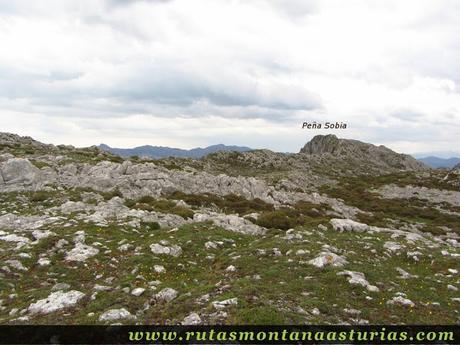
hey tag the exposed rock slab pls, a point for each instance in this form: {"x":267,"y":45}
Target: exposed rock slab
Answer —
{"x":231,"y":222}
{"x":433,"y":195}
{"x":358,"y":278}
{"x":56,"y":301}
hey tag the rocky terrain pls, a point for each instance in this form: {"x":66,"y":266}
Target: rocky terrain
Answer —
{"x":342,"y":232}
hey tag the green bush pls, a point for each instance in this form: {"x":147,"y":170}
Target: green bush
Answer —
{"x":309,"y":209}
{"x":151,"y":225}
{"x":228,"y":204}
{"x":283,"y":219}
{"x":112,"y":194}
{"x":116,"y":159}
{"x":183,"y":212}
{"x":40,"y":196}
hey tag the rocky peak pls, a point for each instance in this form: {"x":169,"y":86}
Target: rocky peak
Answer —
{"x":323,"y":144}
{"x":362,"y":152}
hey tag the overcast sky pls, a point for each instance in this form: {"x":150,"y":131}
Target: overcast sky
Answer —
{"x":189,"y":73}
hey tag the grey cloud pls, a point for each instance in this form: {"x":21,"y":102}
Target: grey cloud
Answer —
{"x":130,"y":2}
{"x":404,"y":133}
{"x":407,"y":115}
{"x":151,"y":86}
{"x":295,"y":8}
{"x":165,"y":83}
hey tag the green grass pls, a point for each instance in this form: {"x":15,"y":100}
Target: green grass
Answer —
{"x":275,"y":298}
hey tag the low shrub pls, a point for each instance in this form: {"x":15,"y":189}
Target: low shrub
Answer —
{"x":228,"y":204}
{"x":39,"y":196}
{"x":151,"y":225}
{"x":111,"y":194}
{"x":280,"y":219}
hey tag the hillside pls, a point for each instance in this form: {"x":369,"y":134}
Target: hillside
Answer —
{"x":88,"y":237}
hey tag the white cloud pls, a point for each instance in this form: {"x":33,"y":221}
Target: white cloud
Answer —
{"x":388,"y":68}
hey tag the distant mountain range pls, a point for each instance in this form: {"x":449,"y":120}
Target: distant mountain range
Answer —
{"x":157,"y":152}
{"x":437,"y":162}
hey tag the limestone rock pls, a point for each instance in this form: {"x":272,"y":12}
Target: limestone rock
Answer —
{"x":230,"y":222}
{"x":348,"y":225}
{"x":137,"y":292}
{"x":328,"y":259}
{"x":81,"y":252}
{"x":358,"y":278}
{"x":116,"y":315}
{"x":166,"y":295}
{"x":56,"y":301}
{"x":191,"y":319}
{"x":73,"y":207}
{"x":225,"y":303}
{"x":399,"y":300}
{"x":16,"y":264}
{"x":41,"y":234}
{"x":173,"y":250}
{"x":14,"y":238}
{"x":19,"y":170}
{"x":392,"y":246}
{"x":43,"y":262}
{"x":159,"y":269}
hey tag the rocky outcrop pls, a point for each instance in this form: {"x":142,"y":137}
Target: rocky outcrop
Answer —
{"x":115,"y":210}
{"x":15,"y":222}
{"x":435,"y":196}
{"x":19,"y":170}
{"x":20,"y":174}
{"x":348,"y":225}
{"x":359,"y":151}
{"x":12,"y":140}
{"x":81,"y":252}
{"x":231,"y":222}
